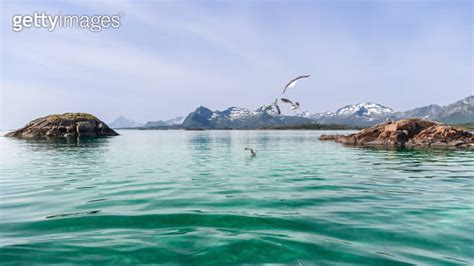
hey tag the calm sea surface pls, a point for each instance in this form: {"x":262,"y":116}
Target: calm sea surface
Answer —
{"x":197,"y":197}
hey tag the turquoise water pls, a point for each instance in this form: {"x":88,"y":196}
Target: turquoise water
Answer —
{"x":197,"y":197}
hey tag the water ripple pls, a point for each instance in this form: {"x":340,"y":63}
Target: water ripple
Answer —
{"x":199,"y":198}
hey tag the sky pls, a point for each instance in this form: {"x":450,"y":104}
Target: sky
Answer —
{"x":169,"y":57}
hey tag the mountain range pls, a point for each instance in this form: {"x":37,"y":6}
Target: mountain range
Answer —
{"x":164,"y":123}
{"x":122,"y":122}
{"x":238,"y":118}
{"x":359,"y":115}
{"x":367,"y":114}
{"x":461,"y":111}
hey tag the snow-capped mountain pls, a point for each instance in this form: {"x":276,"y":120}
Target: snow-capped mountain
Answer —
{"x":364,"y":109}
{"x":315,"y":116}
{"x":461,"y":111}
{"x":175,"y":121}
{"x":165,"y":123}
{"x":366,"y":114}
{"x":122,"y":122}
{"x":425,"y":112}
{"x":238,"y":118}
{"x":234,"y":113}
{"x":361,"y":114}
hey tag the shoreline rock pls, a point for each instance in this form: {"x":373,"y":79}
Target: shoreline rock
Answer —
{"x":64,"y":126}
{"x":407,"y":133}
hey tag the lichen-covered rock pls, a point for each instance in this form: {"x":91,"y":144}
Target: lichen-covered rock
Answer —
{"x":407,"y":133}
{"x":64,"y":125}
{"x":441,"y":135}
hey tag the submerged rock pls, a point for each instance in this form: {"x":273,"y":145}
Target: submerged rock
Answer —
{"x":330,"y":137}
{"x":407,"y":133}
{"x":64,"y":125}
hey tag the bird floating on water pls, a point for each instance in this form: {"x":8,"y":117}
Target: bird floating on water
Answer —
{"x":294,"y":105}
{"x":252,"y":151}
{"x":292,"y":82}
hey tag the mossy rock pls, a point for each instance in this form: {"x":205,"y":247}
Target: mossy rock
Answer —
{"x":64,"y":125}
{"x":71,"y":116}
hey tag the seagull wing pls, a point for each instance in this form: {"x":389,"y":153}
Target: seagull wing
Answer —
{"x":292,"y":82}
{"x":278,"y":108}
{"x":286,"y":101}
{"x":252,"y":151}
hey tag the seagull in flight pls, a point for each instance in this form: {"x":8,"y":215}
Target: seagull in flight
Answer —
{"x":270,"y":107}
{"x":277,"y":107}
{"x":294,"y":105}
{"x":292,"y":82}
{"x":252,"y":151}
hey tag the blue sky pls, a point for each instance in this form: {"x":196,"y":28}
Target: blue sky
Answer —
{"x":169,"y":57}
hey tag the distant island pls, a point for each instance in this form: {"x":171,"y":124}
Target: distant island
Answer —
{"x":122,"y":122}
